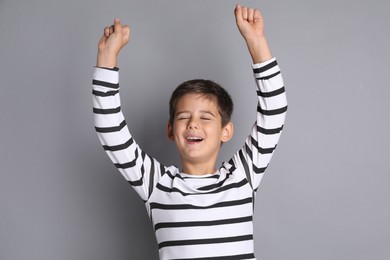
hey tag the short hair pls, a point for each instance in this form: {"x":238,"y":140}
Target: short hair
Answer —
{"x":209,"y":89}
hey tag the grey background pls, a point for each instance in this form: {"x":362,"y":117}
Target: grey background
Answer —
{"x":325,"y":194}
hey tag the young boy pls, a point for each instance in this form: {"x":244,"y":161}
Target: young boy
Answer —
{"x":199,"y":211}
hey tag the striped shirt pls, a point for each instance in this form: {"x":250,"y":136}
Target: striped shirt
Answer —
{"x":196,"y":217}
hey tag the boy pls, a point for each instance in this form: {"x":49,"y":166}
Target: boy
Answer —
{"x":198,"y":211}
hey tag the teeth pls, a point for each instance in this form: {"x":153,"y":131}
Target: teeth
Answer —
{"x":197,"y":139}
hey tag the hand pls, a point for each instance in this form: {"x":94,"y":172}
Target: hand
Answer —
{"x":250,"y":22}
{"x":112,"y":41}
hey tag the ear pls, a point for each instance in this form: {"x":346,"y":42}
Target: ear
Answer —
{"x":170,"y":132}
{"x":227,"y":132}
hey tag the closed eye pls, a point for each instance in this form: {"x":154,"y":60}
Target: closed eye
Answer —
{"x":182,"y":115}
{"x":207,"y":115}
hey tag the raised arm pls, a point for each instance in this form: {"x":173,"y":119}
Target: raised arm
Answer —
{"x":139,"y":169}
{"x":254,"y":157}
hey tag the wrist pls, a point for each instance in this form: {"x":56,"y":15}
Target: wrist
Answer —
{"x":259,"y":49}
{"x":106,"y":59}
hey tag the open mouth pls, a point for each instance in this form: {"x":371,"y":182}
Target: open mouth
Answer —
{"x":194,"y":139}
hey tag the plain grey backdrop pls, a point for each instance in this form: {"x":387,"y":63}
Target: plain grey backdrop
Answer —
{"x":326,"y":193}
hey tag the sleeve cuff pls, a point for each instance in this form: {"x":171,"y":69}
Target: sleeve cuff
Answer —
{"x":264,"y":63}
{"x":108,"y":68}
{"x":110,"y":75}
{"x":266,"y":68}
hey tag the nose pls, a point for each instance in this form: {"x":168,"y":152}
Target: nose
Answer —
{"x":192,"y":124}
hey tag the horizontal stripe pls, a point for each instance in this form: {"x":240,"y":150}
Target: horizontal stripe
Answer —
{"x":203,"y":223}
{"x":229,"y":257}
{"x":219,"y":184}
{"x":224,"y":188}
{"x":166,"y":189}
{"x":266,"y":67}
{"x":139,"y":182}
{"x":154,"y":205}
{"x":259,"y":170}
{"x":269,"y":76}
{"x":214,"y":176}
{"x":119,"y":146}
{"x":105,"y":68}
{"x":111,"y":129}
{"x":105,"y":94}
{"x":261,"y":149}
{"x":270,"y":131}
{"x":215,"y":185}
{"x":205,"y":241}
{"x":272,"y":112}
{"x":125,"y":165}
{"x":128,"y":164}
{"x":271,"y":93}
{"x":107,"y":111}
{"x":105,"y":84}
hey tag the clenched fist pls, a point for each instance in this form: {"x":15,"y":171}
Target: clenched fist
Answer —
{"x":250,"y":23}
{"x":114,"y":38}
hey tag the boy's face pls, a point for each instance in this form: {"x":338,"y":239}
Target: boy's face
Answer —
{"x":197,"y":129}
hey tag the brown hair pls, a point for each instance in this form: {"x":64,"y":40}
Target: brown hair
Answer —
{"x":210,"y":90}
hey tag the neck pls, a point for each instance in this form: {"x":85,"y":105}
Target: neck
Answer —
{"x":197,"y":168}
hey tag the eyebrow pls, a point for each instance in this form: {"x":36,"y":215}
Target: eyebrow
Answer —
{"x":207,"y":112}
{"x":181,"y":112}
{"x":202,"y":111}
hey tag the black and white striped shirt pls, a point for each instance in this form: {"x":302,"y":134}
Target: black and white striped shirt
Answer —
{"x":196,"y":217}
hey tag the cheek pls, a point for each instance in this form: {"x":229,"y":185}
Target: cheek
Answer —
{"x":214,"y":131}
{"x":177,"y":129}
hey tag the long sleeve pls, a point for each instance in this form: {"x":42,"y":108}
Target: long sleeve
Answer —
{"x":140,"y":170}
{"x":260,"y":145}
